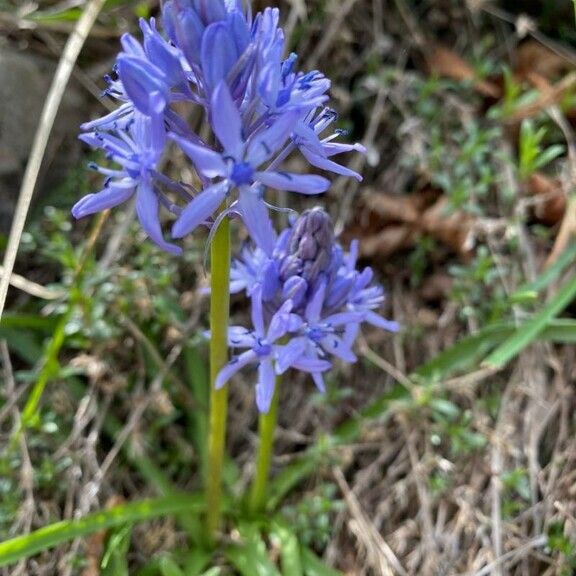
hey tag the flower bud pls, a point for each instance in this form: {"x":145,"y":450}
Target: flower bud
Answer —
{"x":310,"y":246}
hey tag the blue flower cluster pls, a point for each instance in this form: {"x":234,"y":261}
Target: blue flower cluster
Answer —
{"x":214,"y":55}
{"x":308,"y":298}
{"x":308,"y":302}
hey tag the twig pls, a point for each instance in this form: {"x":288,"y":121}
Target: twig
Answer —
{"x":33,"y":288}
{"x":331,"y":33}
{"x":537,"y":542}
{"x":65,"y":66}
{"x":385,"y":559}
{"x":27,"y":508}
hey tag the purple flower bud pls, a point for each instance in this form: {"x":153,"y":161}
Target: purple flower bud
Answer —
{"x":310,"y":247}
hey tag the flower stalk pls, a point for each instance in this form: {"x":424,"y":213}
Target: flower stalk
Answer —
{"x":219,"y":316}
{"x":266,"y":428}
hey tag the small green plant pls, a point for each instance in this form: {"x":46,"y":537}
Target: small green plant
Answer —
{"x":312,"y":517}
{"x":532,"y":154}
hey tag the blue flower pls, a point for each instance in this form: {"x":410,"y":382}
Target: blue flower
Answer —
{"x":238,"y":166}
{"x":260,"y":108}
{"x":137,"y":149}
{"x":265,"y":350}
{"x":310,"y":287}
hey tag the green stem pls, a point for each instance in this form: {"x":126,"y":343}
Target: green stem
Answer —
{"x":219,"y":315}
{"x":266,"y":429}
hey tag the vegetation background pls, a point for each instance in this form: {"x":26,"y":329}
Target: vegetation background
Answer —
{"x":447,"y":449}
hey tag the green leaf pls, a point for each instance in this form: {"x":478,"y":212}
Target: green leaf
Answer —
{"x":251,"y":557}
{"x":21,"y":547}
{"x":169,"y":567}
{"x":31,"y":321}
{"x":197,"y":377}
{"x":289,"y":478}
{"x":528,"y":332}
{"x":196,"y":561}
{"x":114,"y":560}
{"x":550,"y":274}
{"x":464,"y":353}
{"x":22,"y":343}
{"x":313,"y":566}
{"x":287,"y":542}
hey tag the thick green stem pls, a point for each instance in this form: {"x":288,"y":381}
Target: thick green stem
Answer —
{"x":266,"y":429}
{"x":219,"y":315}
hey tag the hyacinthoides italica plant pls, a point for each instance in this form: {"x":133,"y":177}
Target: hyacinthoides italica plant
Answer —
{"x":308,"y":300}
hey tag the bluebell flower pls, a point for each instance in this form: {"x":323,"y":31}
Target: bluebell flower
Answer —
{"x":137,"y":150}
{"x":239,"y":166}
{"x":260,"y":108}
{"x":309,"y":282}
{"x":266,"y":350}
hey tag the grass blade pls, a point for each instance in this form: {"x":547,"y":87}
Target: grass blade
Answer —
{"x":313,"y":566}
{"x":251,"y":557}
{"x":529,"y":331}
{"x":21,"y":547}
{"x":290,"y":556}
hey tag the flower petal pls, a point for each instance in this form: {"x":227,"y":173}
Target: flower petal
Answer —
{"x":218,"y":55}
{"x":235,"y":365}
{"x":263,"y":146}
{"x":257,"y":312}
{"x":200,"y":209}
{"x":311,"y":365}
{"x":206,"y":160}
{"x":226,"y":121}
{"x":379,"y":322}
{"x":254,"y":214}
{"x":330,"y":165}
{"x":319,"y":381}
{"x":144,"y":84}
{"x":288,"y":354}
{"x":240,"y":337}
{"x":147,"y":210}
{"x":338,"y":347}
{"x":314,"y":307}
{"x":266,"y":385}
{"x":303,"y":183}
{"x":109,"y":197}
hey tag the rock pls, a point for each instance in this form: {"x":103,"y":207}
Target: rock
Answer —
{"x":24,"y":84}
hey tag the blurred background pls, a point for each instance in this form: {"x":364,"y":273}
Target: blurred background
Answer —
{"x":445,"y":450}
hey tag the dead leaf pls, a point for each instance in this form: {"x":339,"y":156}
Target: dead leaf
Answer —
{"x":452,"y":228}
{"x":534,"y":58}
{"x":550,"y":210}
{"x":445,"y":62}
{"x":387,"y":242}
{"x":550,"y":97}
{"x":405,"y":208}
{"x":566,"y":234}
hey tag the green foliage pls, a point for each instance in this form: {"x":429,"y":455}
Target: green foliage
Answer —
{"x":312,"y":517}
{"x":459,"y":157}
{"x":15,"y":549}
{"x":560,"y":543}
{"x":532,"y":155}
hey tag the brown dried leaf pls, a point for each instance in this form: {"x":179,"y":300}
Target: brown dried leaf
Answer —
{"x":452,"y":228}
{"x":395,"y":208}
{"x":445,"y":62}
{"x":551,"y":209}
{"x":550,"y":97}
{"x":388,"y":241}
{"x":534,"y":58}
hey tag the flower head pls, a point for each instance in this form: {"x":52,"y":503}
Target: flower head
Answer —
{"x":214,"y":55}
{"x":311,"y":288}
